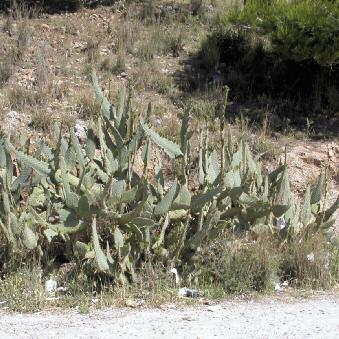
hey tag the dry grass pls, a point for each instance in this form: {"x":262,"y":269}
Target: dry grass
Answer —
{"x":19,"y":98}
{"x":148,"y":76}
{"x":6,"y":70}
{"x":120,"y":62}
{"x":41,"y":121}
{"x":92,"y":49}
{"x":64,"y":51}
{"x":127,"y":34}
{"x":24,"y":291}
{"x":227,"y":266}
{"x":87,"y":107}
{"x":311,"y":263}
{"x":240,"y":265}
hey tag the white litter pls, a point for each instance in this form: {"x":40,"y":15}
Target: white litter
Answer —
{"x":13,"y":119}
{"x":278,"y":288}
{"x":310,"y":257}
{"x":175,"y":272}
{"x":62,"y":289}
{"x":188,"y":292}
{"x":51,"y":287}
{"x":281,"y":224}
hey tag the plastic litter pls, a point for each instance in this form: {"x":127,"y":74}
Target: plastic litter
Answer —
{"x":62,"y":289}
{"x":280,"y":224}
{"x":189,"y":292}
{"x":51,"y":287}
{"x":175,"y":272}
{"x":310,"y":257}
{"x":278,"y":288}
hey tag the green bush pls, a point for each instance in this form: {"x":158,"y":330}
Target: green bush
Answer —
{"x":283,"y":49}
{"x":298,"y":30}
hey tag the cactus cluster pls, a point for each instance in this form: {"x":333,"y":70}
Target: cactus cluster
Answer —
{"x":87,"y":199}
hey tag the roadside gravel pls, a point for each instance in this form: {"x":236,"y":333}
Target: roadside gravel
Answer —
{"x":279,"y":318}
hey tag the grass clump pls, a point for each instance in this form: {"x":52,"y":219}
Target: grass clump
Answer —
{"x":312,"y":263}
{"x":6,"y":70}
{"x":41,"y":120}
{"x":22,"y":290}
{"x":175,"y":40}
{"x":148,"y":76}
{"x":92,"y":49}
{"x":161,"y":40}
{"x":237,"y":265}
{"x":87,"y":106}
{"x":20,"y":97}
{"x":256,"y":264}
{"x":120,"y":63}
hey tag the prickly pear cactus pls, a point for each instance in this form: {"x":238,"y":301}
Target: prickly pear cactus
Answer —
{"x":90,"y":198}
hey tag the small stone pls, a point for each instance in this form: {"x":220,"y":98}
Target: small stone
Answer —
{"x":12,"y":119}
{"x":134,"y":302}
{"x":45,"y":27}
{"x":214,"y":308}
{"x":80,"y":130}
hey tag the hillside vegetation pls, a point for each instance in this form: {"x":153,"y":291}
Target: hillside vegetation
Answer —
{"x":138,"y":137}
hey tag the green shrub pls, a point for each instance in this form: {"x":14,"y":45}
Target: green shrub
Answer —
{"x":282,"y":49}
{"x":298,"y":30}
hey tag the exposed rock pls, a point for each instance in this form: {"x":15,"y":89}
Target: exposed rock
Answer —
{"x":12,"y":120}
{"x":80,"y":130}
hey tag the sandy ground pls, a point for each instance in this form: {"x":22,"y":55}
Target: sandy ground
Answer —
{"x":307,"y":318}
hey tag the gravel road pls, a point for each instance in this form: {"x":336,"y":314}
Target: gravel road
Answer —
{"x":308,"y":318}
